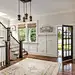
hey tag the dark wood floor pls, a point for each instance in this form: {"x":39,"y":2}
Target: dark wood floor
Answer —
{"x":66,"y":68}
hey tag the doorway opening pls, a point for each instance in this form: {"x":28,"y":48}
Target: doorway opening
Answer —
{"x":59,"y":41}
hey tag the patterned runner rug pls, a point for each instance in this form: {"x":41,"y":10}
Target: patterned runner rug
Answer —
{"x":31,"y":66}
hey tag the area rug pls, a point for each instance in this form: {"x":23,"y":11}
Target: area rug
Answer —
{"x":31,"y":66}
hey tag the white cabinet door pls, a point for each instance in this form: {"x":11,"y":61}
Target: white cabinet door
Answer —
{"x":51,"y":46}
{"x":42,"y":44}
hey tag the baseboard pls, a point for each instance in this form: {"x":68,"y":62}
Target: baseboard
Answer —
{"x":38,"y":55}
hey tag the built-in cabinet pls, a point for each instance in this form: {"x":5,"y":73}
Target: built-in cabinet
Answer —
{"x":42,"y":44}
{"x":51,"y":45}
{"x":46,"y":45}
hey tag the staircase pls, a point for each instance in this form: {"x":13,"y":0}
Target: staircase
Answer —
{"x":14,"y":48}
{"x":10,"y":48}
{"x":3,"y":37}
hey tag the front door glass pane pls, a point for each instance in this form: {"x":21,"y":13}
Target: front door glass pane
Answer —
{"x":67,"y":42}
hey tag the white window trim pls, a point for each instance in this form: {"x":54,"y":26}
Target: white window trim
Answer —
{"x":26,"y":39}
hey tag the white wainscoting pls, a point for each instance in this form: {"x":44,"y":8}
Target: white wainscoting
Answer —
{"x":46,"y":45}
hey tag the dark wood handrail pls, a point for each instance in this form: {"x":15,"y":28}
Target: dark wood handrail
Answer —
{"x":15,"y":39}
{"x":3,"y":25}
{"x":20,"y":50}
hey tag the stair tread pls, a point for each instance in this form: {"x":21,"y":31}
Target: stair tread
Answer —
{"x":15,"y":44}
{"x":15,"y":50}
{"x":17,"y":53}
{"x":1,"y":37}
{"x":14,"y":47}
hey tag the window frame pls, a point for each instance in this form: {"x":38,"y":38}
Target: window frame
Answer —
{"x":27,"y":32}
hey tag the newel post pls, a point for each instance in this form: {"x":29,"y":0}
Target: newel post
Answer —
{"x":20,"y":49}
{"x":7,"y":43}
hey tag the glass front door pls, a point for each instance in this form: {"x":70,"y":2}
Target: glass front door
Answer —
{"x":67,"y":42}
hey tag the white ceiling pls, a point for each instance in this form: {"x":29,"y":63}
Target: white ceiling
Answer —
{"x":39,"y":7}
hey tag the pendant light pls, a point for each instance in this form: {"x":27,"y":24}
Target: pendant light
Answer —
{"x":24,"y":12}
{"x":30,"y":17}
{"x":25,"y":7}
{"x":26,"y":15}
{"x":19,"y":16}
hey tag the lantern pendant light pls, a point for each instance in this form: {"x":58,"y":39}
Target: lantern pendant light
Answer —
{"x":19,"y":16}
{"x":30,"y":17}
{"x":24,"y":12}
{"x":25,"y":16}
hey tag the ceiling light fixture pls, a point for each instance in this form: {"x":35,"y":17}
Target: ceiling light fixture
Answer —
{"x":26,"y":15}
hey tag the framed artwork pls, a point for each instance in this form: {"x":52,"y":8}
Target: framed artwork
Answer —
{"x":47,"y":29}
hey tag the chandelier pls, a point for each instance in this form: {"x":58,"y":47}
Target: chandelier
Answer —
{"x":25,"y":14}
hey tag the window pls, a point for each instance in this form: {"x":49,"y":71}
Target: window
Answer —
{"x":27,"y":32}
{"x":32,"y":32}
{"x":21,"y":31}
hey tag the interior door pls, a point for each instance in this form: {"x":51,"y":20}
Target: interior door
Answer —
{"x":67,"y":42}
